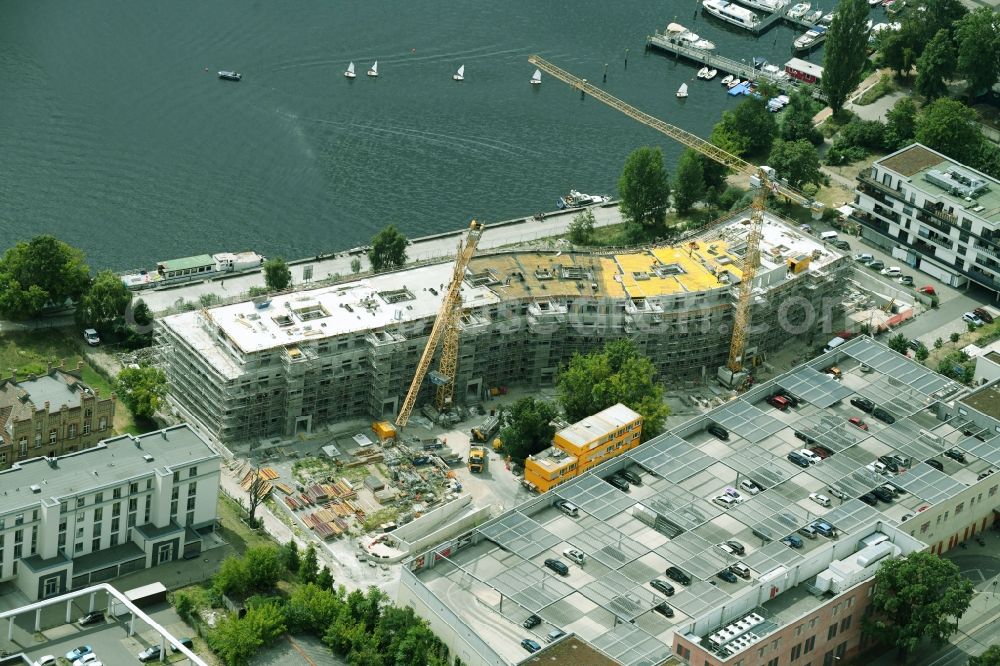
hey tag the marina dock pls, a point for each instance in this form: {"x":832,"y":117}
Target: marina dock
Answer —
{"x":743,"y":70}
{"x":781,"y":15}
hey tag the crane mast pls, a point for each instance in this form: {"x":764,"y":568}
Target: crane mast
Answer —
{"x":760,"y":180}
{"x":446,"y":325}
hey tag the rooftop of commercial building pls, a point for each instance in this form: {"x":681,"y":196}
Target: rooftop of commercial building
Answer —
{"x":944,"y":178}
{"x":986,"y":399}
{"x":673,"y":518}
{"x":111,"y":462}
{"x":597,"y":425}
{"x":24,"y":395}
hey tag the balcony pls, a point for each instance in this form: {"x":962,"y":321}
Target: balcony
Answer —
{"x":947,"y":219}
{"x":936,"y":239}
{"x":878,"y":191}
{"x":991,"y":250}
{"x":868,"y":220}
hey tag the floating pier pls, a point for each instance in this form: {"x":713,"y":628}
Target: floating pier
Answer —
{"x":741,"y":69}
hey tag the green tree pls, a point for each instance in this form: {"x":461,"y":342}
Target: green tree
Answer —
{"x":978,"y":50}
{"x":581,"y":228}
{"x":103,"y":305}
{"x":938,"y":343}
{"x":752,"y":119}
{"x":948,"y":126}
{"x":845,"y":52}
{"x":41,"y":272}
{"x":617,"y":373}
{"x":797,"y":121}
{"x":916,"y":597}
{"x":266,"y":621}
{"x":954,"y":337}
{"x":922,"y":353}
{"x":529,"y":428}
{"x":184,"y":605}
{"x":796,"y":161}
{"x":644,"y":191}
{"x":277,"y":275}
{"x":231,"y":577}
{"x":263,"y":568}
{"x":290,"y":556}
{"x":388,"y":250}
{"x":141,"y":315}
{"x":231,"y":641}
{"x":989,"y":658}
{"x":896,"y":51}
{"x":900,"y":124}
{"x":689,"y":185}
{"x":324,"y":580}
{"x":355,"y":265}
{"x":141,"y":389}
{"x":935,"y":65}
{"x":309,"y":566}
{"x":898,"y":343}
{"x":312,"y":609}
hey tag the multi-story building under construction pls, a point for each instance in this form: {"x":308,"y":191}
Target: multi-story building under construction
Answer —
{"x":285,"y":364}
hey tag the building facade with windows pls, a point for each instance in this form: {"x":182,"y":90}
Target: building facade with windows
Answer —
{"x":125,"y":504}
{"x":51,"y":415}
{"x":933,"y":214}
{"x":586,"y":443}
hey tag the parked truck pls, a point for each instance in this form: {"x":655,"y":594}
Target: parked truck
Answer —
{"x":477,"y":459}
{"x":486,"y":429}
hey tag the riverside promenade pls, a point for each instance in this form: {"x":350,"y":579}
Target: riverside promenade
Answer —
{"x":427,"y":248}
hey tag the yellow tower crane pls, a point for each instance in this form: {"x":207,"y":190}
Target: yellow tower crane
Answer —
{"x":446,"y":325}
{"x":761,"y":179}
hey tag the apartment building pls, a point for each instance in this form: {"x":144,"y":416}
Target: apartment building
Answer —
{"x":282,"y":365}
{"x":586,"y":443}
{"x":51,"y":415}
{"x":933,"y":214}
{"x":749,"y":569}
{"x":125,"y":504}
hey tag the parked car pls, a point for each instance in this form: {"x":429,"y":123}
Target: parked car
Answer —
{"x":664,"y":610}
{"x":869,"y":499}
{"x":955,"y":455}
{"x":804,"y":437}
{"x":558,"y":566}
{"x":750,"y":486}
{"x":150,"y":653}
{"x":47,"y":660}
{"x":876,"y":265}
{"x":736,"y":546}
{"x":727,"y":576}
{"x":892,"y":271}
{"x":862,"y":403}
{"x":88,"y":660}
{"x":972,"y":319}
{"x":618,"y":482}
{"x":725,"y":501}
{"x":575,"y":555}
{"x":983,"y":314}
{"x":890,"y":463}
{"x":93,"y":617}
{"x":883,"y":415}
{"x":76,"y":653}
{"x":530,"y":645}
{"x":906,"y":280}
{"x":821,"y":451}
{"x":554,"y":635}
{"x":927,"y":289}
{"x":936,"y":464}
{"x":792,"y":541}
{"x":186,"y":642}
{"x":864,"y":258}
{"x":824,"y":528}
{"x":570,"y":510}
{"x":91,"y":336}
{"x":883,"y":494}
{"x":798,"y":459}
{"x":718,"y":431}
{"x":630,"y":476}
{"x":807,"y":532}
{"x":792,"y":400}
{"x":779,"y":402}
{"x":858,"y":423}
{"x":820,"y":499}
{"x":841,"y":244}
{"x":531,"y":622}
{"x":663,"y":587}
{"x":678,"y":576}
{"x":837,"y":493}
{"x":914,"y":344}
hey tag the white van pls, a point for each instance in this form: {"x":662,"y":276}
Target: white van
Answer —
{"x":833,"y":344}
{"x":567,"y":508}
{"x":828,"y":236}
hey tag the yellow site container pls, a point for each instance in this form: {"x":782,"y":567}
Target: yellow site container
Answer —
{"x":798,"y":264}
{"x":384,"y":430}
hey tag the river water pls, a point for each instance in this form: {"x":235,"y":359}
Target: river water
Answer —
{"x":116,"y":135}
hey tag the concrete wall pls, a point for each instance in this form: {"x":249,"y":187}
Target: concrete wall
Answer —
{"x":987,"y":371}
{"x":458,"y":527}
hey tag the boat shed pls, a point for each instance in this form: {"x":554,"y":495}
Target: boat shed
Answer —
{"x":804,"y":71}
{"x":201,"y":263}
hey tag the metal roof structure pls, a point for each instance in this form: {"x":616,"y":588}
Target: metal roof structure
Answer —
{"x":815,"y":387}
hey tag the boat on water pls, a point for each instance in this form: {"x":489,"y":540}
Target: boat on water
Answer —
{"x":775,"y":72}
{"x":703,"y":73}
{"x":350,"y":71}
{"x":374,"y":70}
{"x":813,"y":16}
{"x":578,"y":199}
{"x":536,"y":78}
{"x":727,"y":79}
{"x":874,"y":3}
{"x":799,"y":10}
{"x":460,"y":74}
{"x":735,"y":82}
{"x":769,"y":6}
{"x":731,"y":13}
{"x":826,"y":19}
{"x":226,"y":75}
{"x":189,"y":269}
{"x":711,"y":74}
{"x":812,"y":37}
{"x":682,"y":92}
{"x":678,"y":33}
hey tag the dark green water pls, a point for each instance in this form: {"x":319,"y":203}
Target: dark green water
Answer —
{"x":114,"y":137}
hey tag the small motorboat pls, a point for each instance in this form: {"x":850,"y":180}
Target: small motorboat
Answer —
{"x":727,"y":79}
{"x":350,"y":71}
{"x":732,"y":84}
{"x":460,"y":74}
{"x":712,"y":73}
{"x":827,"y":19}
{"x":703,"y":73}
{"x":374,"y":70}
{"x":799,"y":10}
{"x":226,"y":75}
{"x":874,"y":3}
{"x":536,"y":78}
{"x":682,"y":92}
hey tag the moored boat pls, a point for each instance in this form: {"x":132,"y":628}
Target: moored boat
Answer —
{"x":703,"y":73}
{"x":727,"y":79}
{"x":799,"y":10}
{"x":732,"y":84}
{"x":226,"y":75}
{"x":812,"y":37}
{"x":731,"y":13}
{"x":678,"y":33}
{"x":769,"y":6}
{"x":711,"y":74}
{"x":578,"y":199}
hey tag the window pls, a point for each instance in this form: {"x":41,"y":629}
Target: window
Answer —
{"x":809,"y":645}
{"x":38,"y":440}
{"x":192,"y":472}
{"x":133,"y":488}
{"x":924,"y":528}
{"x":192,"y":487}
{"x":78,"y":547}
{"x":50,"y":586}
{"x":190,"y":504}
{"x":177,"y":476}
{"x":71,"y":431}
{"x":95,"y":545}
{"x":796,"y":652}
{"x":959,"y":508}
{"x":812,"y":623}
{"x":98,"y":498}
{"x":98,"y":515}
{"x":832,"y":631}
{"x":116,"y":510}
{"x":17,"y":551}
{"x":993,"y":491}
{"x":113,"y":541}
{"x":828,"y":658}
{"x":52,"y":436}
{"x":845,"y":624}
{"x":86,"y":428}
{"x":773,"y":662}
{"x":87,"y":413}
{"x":102,"y":423}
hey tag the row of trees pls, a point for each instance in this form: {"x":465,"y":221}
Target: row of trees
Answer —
{"x":361,"y":627}
{"x":588,"y":384}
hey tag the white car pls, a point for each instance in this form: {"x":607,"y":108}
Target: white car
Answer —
{"x":88,"y":660}
{"x":892,"y":271}
{"x":820,"y":499}
{"x":47,"y":660}
{"x":575,"y":555}
{"x":725,"y":500}
{"x":809,"y":455}
{"x":973,"y":319}
{"x":749,"y":486}
{"x":92,"y":338}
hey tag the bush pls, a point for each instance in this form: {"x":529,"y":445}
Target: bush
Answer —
{"x":254,"y":292}
{"x":938,"y":343}
{"x":208,"y":300}
{"x":954,"y":337}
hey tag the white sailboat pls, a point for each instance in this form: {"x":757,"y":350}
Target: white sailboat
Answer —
{"x":460,"y":74}
{"x":536,"y":78}
{"x":682,"y":91}
{"x":350,"y":71}
{"x":711,"y":74}
{"x":374,"y":70}
{"x":703,"y":73}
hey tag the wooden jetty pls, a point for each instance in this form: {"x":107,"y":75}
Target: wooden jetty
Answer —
{"x":743,"y":70}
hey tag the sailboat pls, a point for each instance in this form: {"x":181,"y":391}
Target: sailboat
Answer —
{"x":683,"y":90}
{"x":460,"y":74}
{"x":536,"y":78}
{"x":374,"y":70}
{"x":350,"y":71}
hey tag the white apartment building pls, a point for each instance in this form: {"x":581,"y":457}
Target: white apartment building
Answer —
{"x":126,"y":504}
{"x":933,"y":214}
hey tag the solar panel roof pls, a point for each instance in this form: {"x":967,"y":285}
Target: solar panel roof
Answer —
{"x":519,"y":534}
{"x":815,"y":387}
{"x":747,"y":421}
{"x":631,"y":646}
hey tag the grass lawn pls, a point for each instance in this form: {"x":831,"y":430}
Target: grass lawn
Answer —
{"x":235,"y":531}
{"x":28,"y":353}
